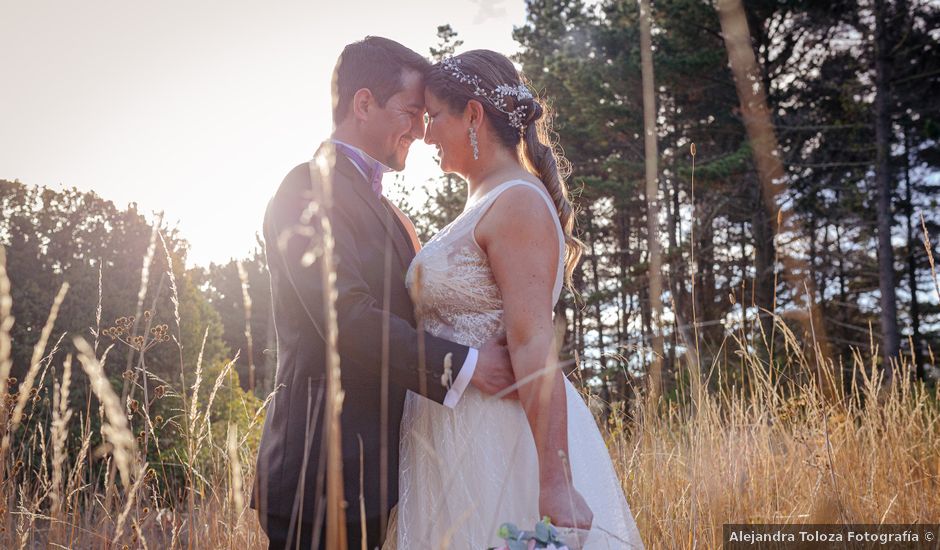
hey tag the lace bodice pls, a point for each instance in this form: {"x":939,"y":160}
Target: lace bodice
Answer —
{"x":451,"y":282}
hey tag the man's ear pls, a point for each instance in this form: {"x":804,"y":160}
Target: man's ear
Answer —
{"x":363,"y":101}
{"x":473,"y":113}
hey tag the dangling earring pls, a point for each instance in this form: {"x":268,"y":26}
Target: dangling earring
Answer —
{"x":474,"y":144}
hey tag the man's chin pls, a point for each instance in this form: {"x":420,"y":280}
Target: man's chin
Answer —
{"x":397,"y":164}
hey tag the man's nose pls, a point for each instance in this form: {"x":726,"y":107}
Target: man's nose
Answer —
{"x":417,"y":128}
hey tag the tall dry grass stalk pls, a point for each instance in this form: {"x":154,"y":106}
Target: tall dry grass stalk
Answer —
{"x":61,"y":414}
{"x":249,"y":345}
{"x":6,"y":363}
{"x":25,"y":392}
{"x":115,"y":429}
{"x":335,"y":500}
{"x":930,"y":258}
{"x":6,"y":347}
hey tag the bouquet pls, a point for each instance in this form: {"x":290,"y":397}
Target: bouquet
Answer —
{"x":545,"y":535}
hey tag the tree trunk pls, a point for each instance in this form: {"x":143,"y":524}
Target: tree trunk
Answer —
{"x":889,"y":315}
{"x":822,"y":273}
{"x":623,"y":328}
{"x":771,"y":174}
{"x":601,"y":348}
{"x":681,"y":299}
{"x":912,"y":246}
{"x":578,"y":352}
{"x":561,"y":333}
{"x":652,"y":201}
{"x":812,"y":233}
{"x":764,"y":255}
{"x":624,"y":223}
{"x":705,"y":306}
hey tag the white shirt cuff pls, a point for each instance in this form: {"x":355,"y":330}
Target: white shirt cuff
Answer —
{"x":463,"y":379}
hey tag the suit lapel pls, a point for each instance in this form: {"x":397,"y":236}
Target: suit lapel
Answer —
{"x":393,"y":227}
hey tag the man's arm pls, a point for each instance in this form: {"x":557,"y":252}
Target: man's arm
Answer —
{"x":361,"y":321}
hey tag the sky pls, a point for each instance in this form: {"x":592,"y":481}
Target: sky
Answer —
{"x":197,"y":109}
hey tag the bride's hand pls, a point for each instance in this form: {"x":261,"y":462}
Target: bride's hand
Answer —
{"x":565,"y":507}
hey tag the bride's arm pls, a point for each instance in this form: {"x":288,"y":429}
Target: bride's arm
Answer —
{"x":521,"y":243}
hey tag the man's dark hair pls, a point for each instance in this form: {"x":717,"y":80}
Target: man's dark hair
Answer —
{"x":375,"y":63}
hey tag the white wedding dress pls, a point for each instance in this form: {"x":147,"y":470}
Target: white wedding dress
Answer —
{"x":465,"y":471}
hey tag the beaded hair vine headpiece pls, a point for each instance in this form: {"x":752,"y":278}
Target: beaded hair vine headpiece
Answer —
{"x":497,"y":96}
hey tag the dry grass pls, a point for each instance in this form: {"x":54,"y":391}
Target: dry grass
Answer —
{"x":774,"y":450}
{"x":107,"y":496}
{"x":757,"y":457}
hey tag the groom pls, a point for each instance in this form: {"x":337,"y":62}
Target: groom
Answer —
{"x":378,"y":111}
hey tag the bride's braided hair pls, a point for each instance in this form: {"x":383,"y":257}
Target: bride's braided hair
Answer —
{"x":520,"y":121}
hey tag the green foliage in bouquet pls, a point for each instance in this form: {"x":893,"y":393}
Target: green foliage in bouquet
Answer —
{"x":543,"y":536}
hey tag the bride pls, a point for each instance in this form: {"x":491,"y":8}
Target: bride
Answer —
{"x":498,"y":268}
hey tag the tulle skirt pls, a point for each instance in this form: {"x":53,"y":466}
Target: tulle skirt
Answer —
{"x":465,"y":471}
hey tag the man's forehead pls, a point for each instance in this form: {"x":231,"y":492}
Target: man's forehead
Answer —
{"x":412,"y":94}
{"x":411,"y":76}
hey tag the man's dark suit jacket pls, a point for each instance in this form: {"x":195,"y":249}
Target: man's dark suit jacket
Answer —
{"x":365,"y":230}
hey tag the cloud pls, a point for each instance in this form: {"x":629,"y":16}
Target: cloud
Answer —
{"x":488,"y":9}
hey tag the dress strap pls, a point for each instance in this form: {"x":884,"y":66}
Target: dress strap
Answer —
{"x":486,"y":202}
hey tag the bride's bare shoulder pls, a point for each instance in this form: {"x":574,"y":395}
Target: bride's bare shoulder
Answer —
{"x":520,"y":212}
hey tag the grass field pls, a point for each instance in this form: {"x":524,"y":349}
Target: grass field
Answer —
{"x":773,"y":450}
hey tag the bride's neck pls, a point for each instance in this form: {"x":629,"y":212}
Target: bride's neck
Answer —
{"x":487,"y":175}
